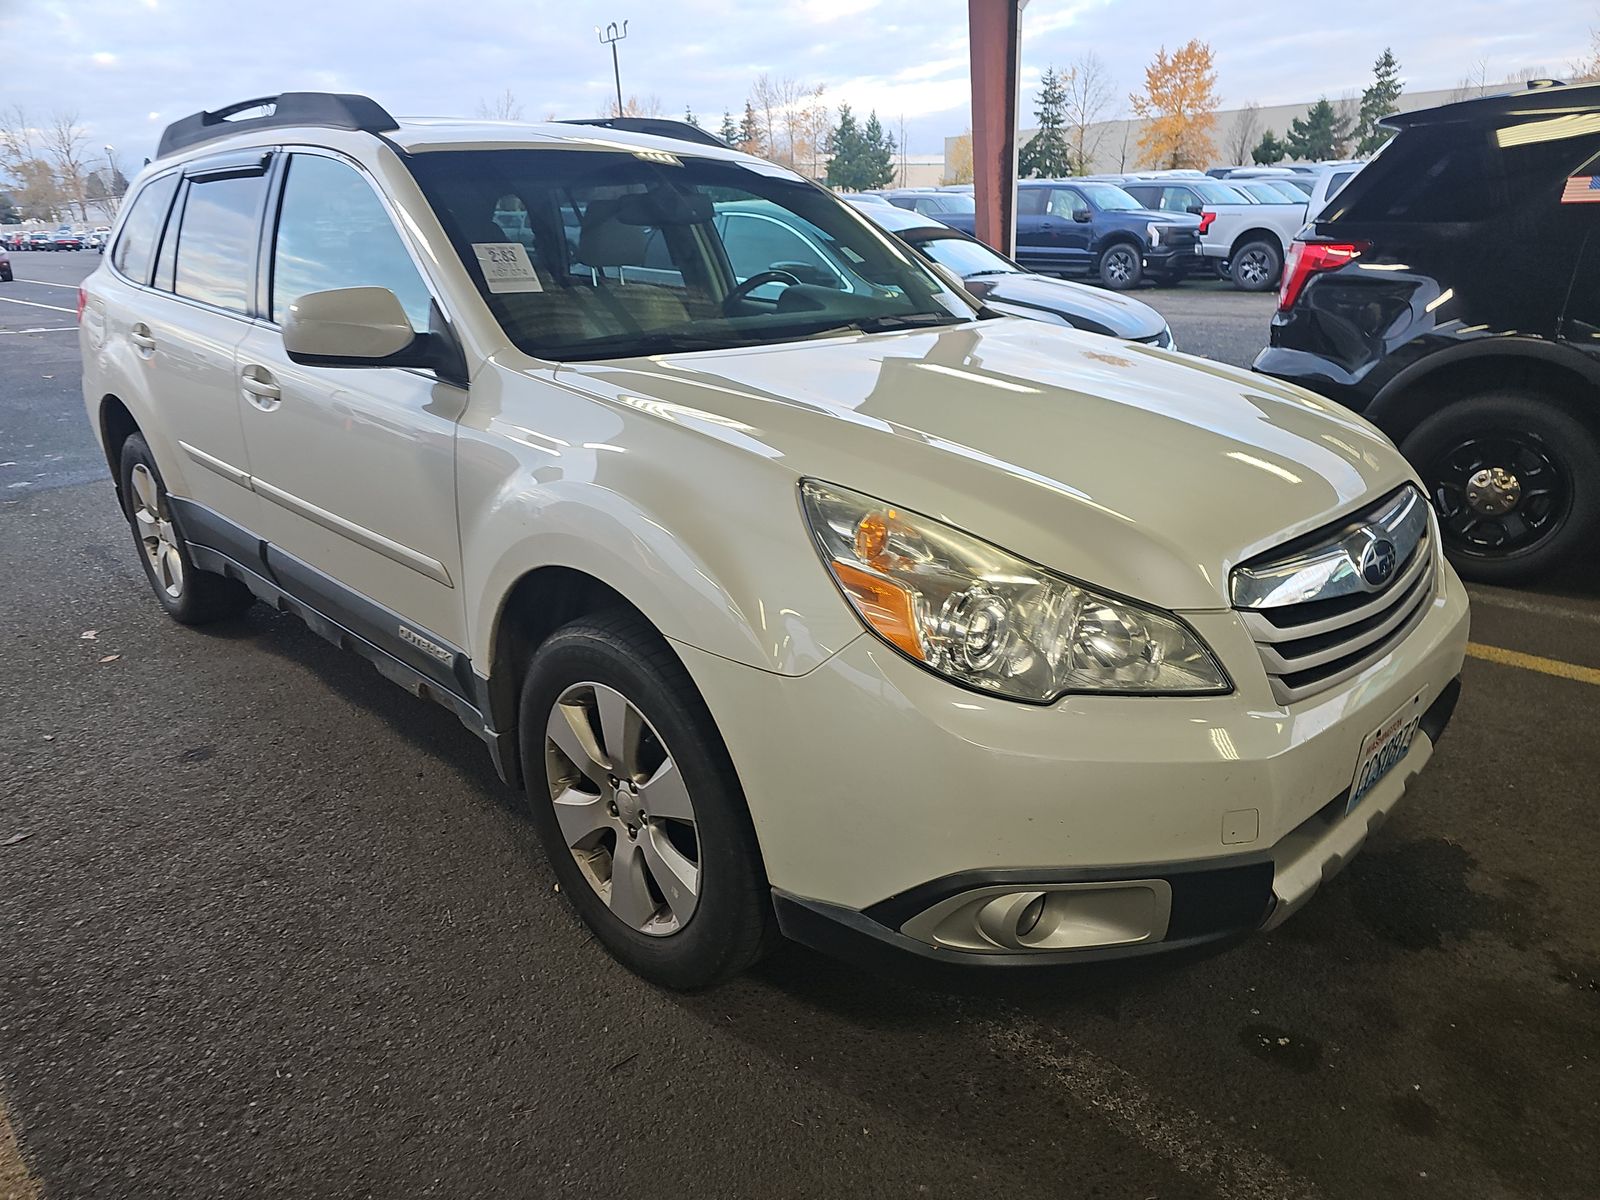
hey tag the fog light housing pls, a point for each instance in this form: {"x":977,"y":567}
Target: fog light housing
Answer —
{"x":1047,"y":917}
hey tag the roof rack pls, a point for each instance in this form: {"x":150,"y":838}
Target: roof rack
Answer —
{"x":655,"y":126}
{"x":328,"y":109}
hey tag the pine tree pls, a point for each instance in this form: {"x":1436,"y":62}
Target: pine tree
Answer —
{"x":845,"y":167}
{"x":688,"y":115}
{"x":1377,"y":102}
{"x":1047,"y":155}
{"x":730,"y":128}
{"x":751,"y":140}
{"x":1319,"y":135}
{"x":1269,"y":150}
{"x":878,"y":153}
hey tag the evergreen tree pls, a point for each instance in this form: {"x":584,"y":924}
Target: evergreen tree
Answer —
{"x":1047,"y":154}
{"x":878,"y":153}
{"x":751,"y":139}
{"x":688,"y":115}
{"x":1319,"y":134}
{"x":1377,"y":102}
{"x":1269,"y":150}
{"x":845,"y":167}
{"x":730,"y":128}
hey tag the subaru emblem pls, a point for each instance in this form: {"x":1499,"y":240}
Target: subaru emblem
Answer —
{"x":1377,"y":562}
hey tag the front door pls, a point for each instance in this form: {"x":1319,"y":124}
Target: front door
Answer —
{"x":355,"y":468}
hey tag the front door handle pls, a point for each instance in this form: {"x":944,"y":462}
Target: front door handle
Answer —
{"x":260,"y":389}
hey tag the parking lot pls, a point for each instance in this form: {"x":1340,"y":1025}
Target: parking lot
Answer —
{"x":273,"y":927}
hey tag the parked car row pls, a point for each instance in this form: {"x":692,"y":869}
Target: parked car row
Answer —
{"x":60,"y":239}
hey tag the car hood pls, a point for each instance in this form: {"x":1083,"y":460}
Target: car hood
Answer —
{"x":1138,"y":470}
{"x":1187,"y":220}
{"x":1088,"y":308}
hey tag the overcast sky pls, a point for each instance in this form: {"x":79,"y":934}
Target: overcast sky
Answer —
{"x":129,"y":66}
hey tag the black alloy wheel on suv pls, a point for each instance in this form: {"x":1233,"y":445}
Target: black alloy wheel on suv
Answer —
{"x":1451,"y":294}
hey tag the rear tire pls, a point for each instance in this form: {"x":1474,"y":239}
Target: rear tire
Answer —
{"x":189,"y":595}
{"x":1515,"y":479}
{"x":590,"y":795}
{"x":1121,"y":267}
{"x":1256,"y":267}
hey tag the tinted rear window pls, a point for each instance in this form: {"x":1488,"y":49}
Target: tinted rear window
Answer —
{"x":1458,"y":174}
{"x":217,"y":243}
{"x":136,"y":245}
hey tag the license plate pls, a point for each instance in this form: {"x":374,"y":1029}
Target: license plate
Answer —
{"x":1384,"y":747}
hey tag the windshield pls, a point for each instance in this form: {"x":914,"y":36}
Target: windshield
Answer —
{"x":1217,"y":193}
{"x":584,"y":254}
{"x":1109,"y":196}
{"x":964,"y":256}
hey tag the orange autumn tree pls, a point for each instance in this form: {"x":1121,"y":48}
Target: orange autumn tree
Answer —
{"x":1179,"y":107}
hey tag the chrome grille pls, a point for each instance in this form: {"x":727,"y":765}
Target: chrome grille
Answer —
{"x":1335,"y":601}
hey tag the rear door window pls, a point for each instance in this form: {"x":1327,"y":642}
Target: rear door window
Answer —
{"x":136,"y":244}
{"x":217,"y":241}
{"x":1065,"y":202}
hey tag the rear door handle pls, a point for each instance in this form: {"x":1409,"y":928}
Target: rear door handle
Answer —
{"x":259,"y":388}
{"x":139,"y":335}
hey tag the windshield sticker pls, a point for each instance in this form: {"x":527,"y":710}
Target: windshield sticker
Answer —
{"x":506,"y":267}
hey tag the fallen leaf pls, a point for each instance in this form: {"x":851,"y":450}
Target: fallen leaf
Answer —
{"x":49,"y":737}
{"x":110,"y":658}
{"x":15,"y":838}
{"x":89,"y":635}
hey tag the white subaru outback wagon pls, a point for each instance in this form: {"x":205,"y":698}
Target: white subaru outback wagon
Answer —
{"x":797,"y":592}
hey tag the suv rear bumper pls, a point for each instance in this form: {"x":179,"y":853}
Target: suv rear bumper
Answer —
{"x":1314,"y":373}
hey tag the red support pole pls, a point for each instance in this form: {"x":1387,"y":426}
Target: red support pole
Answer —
{"x":994,"y":36}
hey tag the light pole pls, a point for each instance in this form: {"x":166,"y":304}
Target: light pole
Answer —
{"x":112,"y":192}
{"x":610,"y":36}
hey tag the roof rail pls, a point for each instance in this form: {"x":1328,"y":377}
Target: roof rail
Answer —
{"x":328,"y":109}
{"x":655,"y":126}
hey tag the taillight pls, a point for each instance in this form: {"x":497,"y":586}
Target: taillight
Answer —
{"x":1311,"y":258}
{"x":83,"y":300}
{"x":1206,"y":218}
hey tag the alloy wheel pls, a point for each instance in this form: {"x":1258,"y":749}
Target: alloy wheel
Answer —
{"x":1254,"y":268}
{"x":153,"y":525}
{"x":1499,"y":494}
{"x":623,"y":808}
{"x":1119,"y":266}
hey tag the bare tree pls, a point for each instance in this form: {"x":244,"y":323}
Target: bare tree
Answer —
{"x":64,"y":142}
{"x":764,"y":98}
{"x":504,"y":107}
{"x":1122,"y":151}
{"x":1474,"y":83}
{"x":1243,"y":134}
{"x":1348,"y":110}
{"x":650,"y":106}
{"x":1088,"y":98}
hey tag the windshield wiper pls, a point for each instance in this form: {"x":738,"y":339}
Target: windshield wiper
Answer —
{"x":892,"y":321}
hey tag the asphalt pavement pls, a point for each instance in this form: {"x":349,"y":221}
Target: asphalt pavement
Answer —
{"x":269,"y":926}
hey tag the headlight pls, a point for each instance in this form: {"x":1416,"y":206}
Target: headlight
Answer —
{"x":990,"y":620}
{"x":1154,"y":232}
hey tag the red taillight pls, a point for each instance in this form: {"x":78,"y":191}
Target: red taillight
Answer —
{"x":83,"y":300}
{"x":1311,"y":258}
{"x":1205,"y":221}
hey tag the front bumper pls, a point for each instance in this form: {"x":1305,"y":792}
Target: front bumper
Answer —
{"x":875,"y":787}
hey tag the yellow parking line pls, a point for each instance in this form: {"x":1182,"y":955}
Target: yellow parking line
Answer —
{"x":15,"y":1181}
{"x":1533,"y":662}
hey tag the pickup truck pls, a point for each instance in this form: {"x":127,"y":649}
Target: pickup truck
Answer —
{"x":1248,"y":240}
{"x":1080,"y":226}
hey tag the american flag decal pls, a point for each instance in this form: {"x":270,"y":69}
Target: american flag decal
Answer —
{"x":1581,"y":189}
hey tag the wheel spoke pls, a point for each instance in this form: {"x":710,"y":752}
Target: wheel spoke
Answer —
{"x":620,"y":727}
{"x":571,"y":730}
{"x":582,"y":815}
{"x":664,"y":795}
{"x":144,"y":487}
{"x":630,"y":894}
{"x":676,"y":877}
{"x":149,"y":528}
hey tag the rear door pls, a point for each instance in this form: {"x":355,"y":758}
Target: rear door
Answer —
{"x":184,"y":328}
{"x":355,"y":468}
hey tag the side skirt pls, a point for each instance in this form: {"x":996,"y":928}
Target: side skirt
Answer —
{"x":406,"y":654}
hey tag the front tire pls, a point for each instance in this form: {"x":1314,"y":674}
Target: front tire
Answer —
{"x":1121,"y":267}
{"x":1515,"y":480}
{"x":637,"y":803}
{"x":1256,"y":267}
{"x":189,"y":595}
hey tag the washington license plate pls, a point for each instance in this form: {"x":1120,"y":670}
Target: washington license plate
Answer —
{"x":1384,"y":747}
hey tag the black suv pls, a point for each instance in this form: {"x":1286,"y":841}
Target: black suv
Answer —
{"x":1086,"y":227}
{"x":1451,"y":294}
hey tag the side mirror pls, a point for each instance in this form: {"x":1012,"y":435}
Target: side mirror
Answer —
{"x":1082,"y":216}
{"x":1195,"y":209}
{"x":350,"y":327}
{"x":367,"y":327}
